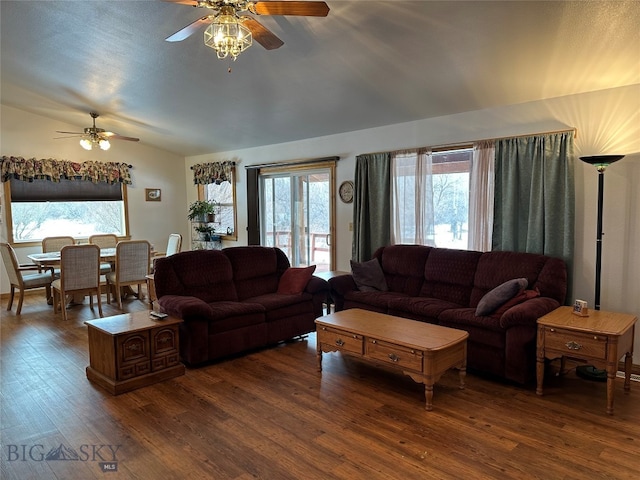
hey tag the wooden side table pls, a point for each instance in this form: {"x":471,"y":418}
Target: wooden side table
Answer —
{"x":133,"y":350}
{"x":599,"y":339}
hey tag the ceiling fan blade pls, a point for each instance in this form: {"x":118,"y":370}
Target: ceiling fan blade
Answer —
{"x":261,"y":34}
{"x":193,"y":3}
{"x":71,"y":133}
{"x":307,"y":9}
{"x":189,"y":30}
{"x":115,"y":136}
{"x":68,"y":136}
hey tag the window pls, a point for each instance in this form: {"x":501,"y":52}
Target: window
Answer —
{"x":224,"y":195}
{"x":79,"y":208}
{"x":430,"y":197}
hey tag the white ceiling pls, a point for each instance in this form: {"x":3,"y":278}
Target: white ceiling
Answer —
{"x":367,"y":64}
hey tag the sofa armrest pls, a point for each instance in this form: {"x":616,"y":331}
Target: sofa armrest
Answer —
{"x":185,"y":307}
{"x":528,"y":312}
{"x":342,"y":284}
{"x":317,"y":285}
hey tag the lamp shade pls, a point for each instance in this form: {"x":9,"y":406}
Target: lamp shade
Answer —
{"x":601,"y":161}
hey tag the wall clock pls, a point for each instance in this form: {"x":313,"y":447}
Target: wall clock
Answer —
{"x":346,"y":191}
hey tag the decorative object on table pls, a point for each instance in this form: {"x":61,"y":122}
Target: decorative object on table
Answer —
{"x":601,"y":162}
{"x":229,"y":34}
{"x":97,"y":137}
{"x":153,"y":194}
{"x":346,"y":191}
{"x":580,"y":308}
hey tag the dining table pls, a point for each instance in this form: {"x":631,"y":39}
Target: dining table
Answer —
{"x":52,"y":259}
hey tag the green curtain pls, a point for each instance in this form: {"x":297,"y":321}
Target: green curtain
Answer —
{"x":371,"y":205}
{"x":534,"y":207}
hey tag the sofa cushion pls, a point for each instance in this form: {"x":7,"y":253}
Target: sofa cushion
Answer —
{"x":520,"y":297}
{"x":465,"y":319}
{"x":419,"y":307}
{"x":295,"y":279}
{"x":378,"y":300}
{"x":403,"y":267}
{"x":500,"y":295}
{"x":449,"y":274}
{"x":227,"y":316}
{"x":369,"y":276}
{"x":256,"y":270}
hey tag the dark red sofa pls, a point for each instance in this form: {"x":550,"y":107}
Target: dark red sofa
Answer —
{"x":444,"y":286}
{"x":229,"y":302}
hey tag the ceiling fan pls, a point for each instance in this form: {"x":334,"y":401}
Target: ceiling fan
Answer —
{"x":93,"y":136}
{"x":229,"y":33}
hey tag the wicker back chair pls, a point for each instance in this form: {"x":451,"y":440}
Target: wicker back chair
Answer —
{"x":79,"y":273}
{"x":104,"y":240}
{"x":23,"y":277}
{"x":55,"y":244}
{"x":132,"y":267}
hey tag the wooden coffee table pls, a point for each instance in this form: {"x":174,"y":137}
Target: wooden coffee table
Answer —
{"x":421,"y":350}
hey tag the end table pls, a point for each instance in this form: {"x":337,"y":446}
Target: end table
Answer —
{"x":600,"y":339}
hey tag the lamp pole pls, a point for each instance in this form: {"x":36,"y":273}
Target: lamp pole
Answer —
{"x":601,"y":162}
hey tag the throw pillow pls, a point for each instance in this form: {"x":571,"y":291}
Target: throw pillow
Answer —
{"x":369,"y":276}
{"x":520,"y":297}
{"x":295,"y":279}
{"x":499,"y":295}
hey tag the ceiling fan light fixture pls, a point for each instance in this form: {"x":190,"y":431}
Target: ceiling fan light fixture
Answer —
{"x":227,"y":35}
{"x":86,"y":143}
{"x":104,"y":144}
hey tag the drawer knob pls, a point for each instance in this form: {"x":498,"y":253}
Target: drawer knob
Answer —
{"x":394,"y":357}
{"x":374,"y":341}
{"x":339,"y":342}
{"x":573,"y":346}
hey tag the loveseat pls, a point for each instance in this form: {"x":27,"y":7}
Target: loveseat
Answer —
{"x":446,"y":286}
{"x":230,"y":302}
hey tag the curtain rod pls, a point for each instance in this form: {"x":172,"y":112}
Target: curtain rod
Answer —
{"x":574,"y":130}
{"x":292,"y":163}
{"x":233,"y":164}
{"x":469,"y":144}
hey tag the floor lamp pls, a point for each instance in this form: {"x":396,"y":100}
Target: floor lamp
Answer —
{"x":601,"y":162}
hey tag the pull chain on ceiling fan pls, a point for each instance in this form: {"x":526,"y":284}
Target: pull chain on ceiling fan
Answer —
{"x":97,"y":137}
{"x":229,"y":34}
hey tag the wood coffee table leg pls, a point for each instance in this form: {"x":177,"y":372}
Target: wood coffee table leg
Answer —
{"x":428,"y":393}
{"x":319,"y":357}
{"x":462,"y":373}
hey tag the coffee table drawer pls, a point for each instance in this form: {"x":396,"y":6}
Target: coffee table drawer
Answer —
{"x":580,"y":344}
{"x":340,"y":339}
{"x":394,"y":354}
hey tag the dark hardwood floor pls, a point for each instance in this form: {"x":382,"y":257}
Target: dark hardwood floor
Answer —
{"x":270,"y":414}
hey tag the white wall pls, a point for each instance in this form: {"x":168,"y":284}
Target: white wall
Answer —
{"x":31,"y":136}
{"x":607,"y":122}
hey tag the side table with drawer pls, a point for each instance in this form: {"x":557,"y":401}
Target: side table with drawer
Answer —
{"x":600,"y":339}
{"x":132,"y":350}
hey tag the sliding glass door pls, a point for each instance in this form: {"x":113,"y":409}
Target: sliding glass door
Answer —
{"x":296,"y":215}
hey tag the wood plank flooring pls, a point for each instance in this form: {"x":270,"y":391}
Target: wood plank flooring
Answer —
{"x":271,"y":415}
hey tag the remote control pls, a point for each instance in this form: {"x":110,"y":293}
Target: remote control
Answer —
{"x":158,"y":315}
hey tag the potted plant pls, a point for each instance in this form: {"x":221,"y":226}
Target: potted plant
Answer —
{"x":205,"y":231}
{"x":201,"y":211}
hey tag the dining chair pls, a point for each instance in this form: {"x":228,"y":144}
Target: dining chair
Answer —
{"x":21,"y":280}
{"x":174,"y":245}
{"x":131,"y":268}
{"x":55,"y":244}
{"x":104,"y":240}
{"x":79,"y":273}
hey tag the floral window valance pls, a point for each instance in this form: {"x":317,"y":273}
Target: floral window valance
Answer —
{"x":32,"y":169}
{"x":215,"y":172}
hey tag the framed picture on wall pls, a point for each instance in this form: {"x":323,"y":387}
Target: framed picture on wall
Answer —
{"x":152,"y":194}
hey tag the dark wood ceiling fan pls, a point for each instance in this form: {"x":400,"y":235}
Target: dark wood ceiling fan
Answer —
{"x":260,"y":33}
